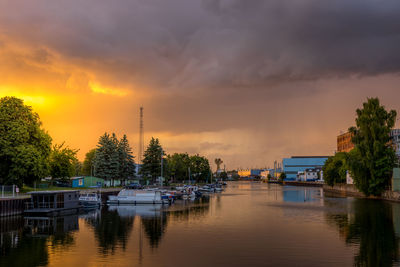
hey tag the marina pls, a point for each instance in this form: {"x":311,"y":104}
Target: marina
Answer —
{"x":249,"y":223}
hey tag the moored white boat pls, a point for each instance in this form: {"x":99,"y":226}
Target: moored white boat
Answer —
{"x":90,"y":200}
{"x":129,"y":196}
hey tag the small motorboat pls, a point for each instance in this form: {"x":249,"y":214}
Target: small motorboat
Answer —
{"x":207,"y":189}
{"x":191,"y":195}
{"x":90,"y":200}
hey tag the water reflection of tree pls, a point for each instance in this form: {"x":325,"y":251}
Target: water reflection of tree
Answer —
{"x":29,"y":251}
{"x":111,"y":230}
{"x":154,"y":228}
{"x":62,"y":236}
{"x":371,"y":226}
{"x":18,"y":249}
{"x":194,"y":210}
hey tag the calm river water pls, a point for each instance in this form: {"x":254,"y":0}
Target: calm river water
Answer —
{"x":250,"y":224}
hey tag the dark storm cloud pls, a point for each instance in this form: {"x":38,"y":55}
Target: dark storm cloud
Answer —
{"x":250,"y":81}
{"x":207,"y":44}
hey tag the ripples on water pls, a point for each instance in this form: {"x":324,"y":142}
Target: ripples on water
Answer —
{"x":250,"y":224}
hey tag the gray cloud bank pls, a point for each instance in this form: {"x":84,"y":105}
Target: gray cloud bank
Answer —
{"x":287,"y":73}
{"x":181,"y":44}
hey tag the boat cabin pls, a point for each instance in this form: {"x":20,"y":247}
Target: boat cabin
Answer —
{"x":53,"y":202}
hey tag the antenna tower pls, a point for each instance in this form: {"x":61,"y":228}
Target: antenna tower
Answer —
{"x":141,"y":136}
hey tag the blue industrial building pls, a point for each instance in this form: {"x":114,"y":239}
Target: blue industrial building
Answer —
{"x":291,"y":166}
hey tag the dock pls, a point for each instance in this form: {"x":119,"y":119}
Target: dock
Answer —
{"x":298,"y":183}
{"x":12,"y":206}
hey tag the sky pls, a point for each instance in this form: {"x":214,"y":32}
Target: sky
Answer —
{"x":247,"y":81}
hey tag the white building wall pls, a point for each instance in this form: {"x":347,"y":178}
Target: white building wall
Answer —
{"x":349,"y":179}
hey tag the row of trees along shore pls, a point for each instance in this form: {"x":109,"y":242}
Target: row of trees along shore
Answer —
{"x":371,"y":161}
{"x":27,"y":154}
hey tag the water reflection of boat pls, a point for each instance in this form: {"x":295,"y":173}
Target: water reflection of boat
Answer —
{"x":90,"y":214}
{"x":139,"y":210}
{"x":46,"y":226}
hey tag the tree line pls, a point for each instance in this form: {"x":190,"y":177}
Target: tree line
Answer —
{"x":177,"y":167}
{"x":371,"y":162}
{"x":27,"y":154}
{"x":113,"y":159}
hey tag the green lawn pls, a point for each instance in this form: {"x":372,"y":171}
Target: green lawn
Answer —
{"x":27,"y":189}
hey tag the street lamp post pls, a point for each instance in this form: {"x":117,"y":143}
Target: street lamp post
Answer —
{"x":161,"y":178}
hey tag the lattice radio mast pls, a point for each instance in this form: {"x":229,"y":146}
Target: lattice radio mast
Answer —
{"x":141,"y":136}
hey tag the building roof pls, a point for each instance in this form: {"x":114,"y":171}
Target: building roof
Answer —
{"x":80,"y":177}
{"x":77,"y":177}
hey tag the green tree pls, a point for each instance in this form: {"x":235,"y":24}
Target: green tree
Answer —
{"x":62,"y":162}
{"x":178,"y":165}
{"x":106,"y":163}
{"x":78,"y":166}
{"x":282,"y":176}
{"x":88,"y":163}
{"x":199,"y":168}
{"x":151,"y":164}
{"x":127,"y":167}
{"x":24,"y":146}
{"x":335,"y":169}
{"x":372,"y":159}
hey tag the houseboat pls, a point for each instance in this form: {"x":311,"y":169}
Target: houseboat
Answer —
{"x":51,"y":203}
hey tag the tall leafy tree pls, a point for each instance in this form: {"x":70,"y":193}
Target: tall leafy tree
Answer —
{"x":78,"y":167}
{"x":372,"y":160}
{"x":107,"y":158}
{"x":151,"y":167}
{"x":178,"y":165}
{"x":88,"y":163}
{"x":24,"y":146}
{"x":127,"y":166}
{"x":335,"y":169}
{"x":62,"y":162}
{"x":199,"y":168}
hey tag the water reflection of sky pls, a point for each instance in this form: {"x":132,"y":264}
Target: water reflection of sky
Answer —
{"x":251,"y":224}
{"x":305,"y":194}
